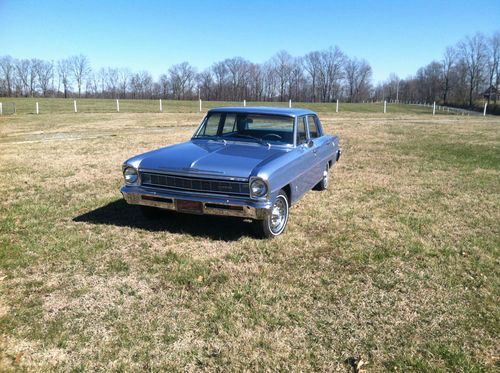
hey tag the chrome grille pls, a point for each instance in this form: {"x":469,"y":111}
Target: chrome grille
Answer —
{"x":194,"y":184}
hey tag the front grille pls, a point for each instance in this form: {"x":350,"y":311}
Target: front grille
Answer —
{"x":194,"y":184}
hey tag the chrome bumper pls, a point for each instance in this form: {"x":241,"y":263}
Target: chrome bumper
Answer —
{"x":211,"y":204}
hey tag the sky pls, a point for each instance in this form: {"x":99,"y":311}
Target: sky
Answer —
{"x":393,"y":36}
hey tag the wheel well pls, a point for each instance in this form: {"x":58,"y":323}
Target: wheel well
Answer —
{"x":288,"y":191}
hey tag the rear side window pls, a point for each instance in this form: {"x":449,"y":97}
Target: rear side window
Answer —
{"x":301,"y":131}
{"x":313,"y":127}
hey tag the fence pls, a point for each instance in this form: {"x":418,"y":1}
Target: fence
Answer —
{"x":66,"y":106}
{"x":7,"y":108}
{"x":448,"y":109}
{"x":84,"y":105}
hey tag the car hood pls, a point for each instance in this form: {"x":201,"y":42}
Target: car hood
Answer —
{"x":206,"y":157}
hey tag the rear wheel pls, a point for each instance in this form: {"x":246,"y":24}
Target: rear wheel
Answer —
{"x":325,"y":180}
{"x":275,"y":223}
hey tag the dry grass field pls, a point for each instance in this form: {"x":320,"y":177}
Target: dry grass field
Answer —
{"x":396,"y":264}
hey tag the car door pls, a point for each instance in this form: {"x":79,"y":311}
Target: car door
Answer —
{"x":318,"y":163}
{"x":304,"y":160}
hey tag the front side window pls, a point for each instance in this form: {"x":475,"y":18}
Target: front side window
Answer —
{"x":229,"y":124}
{"x":301,"y":131}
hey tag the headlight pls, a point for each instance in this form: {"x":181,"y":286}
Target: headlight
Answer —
{"x":130,"y":174}
{"x":258,"y":188}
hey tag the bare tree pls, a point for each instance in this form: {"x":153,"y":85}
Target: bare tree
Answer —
{"x":331,"y":73}
{"x":136,"y":85}
{"x":297,"y":80}
{"x":182,"y":79}
{"x":357,"y":75}
{"x":24,"y":74}
{"x":64,"y":74}
{"x":270,"y":82}
{"x":205,"y":84}
{"x":147,"y":84}
{"x":282,"y":64}
{"x":461,"y":92}
{"x":141,"y":85}
{"x":493,"y":65}
{"x":237,"y":68}
{"x":164,"y":85}
{"x":391,"y":87}
{"x":473,"y":54}
{"x":220,"y":73}
{"x":92,"y":86}
{"x":430,"y":81}
{"x":448,"y":63}
{"x":102,"y":78}
{"x":497,"y":73}
{"x":256,"y":82}
{"x":312,"y":64}
{"x":80,"y":67}
{"x":7,"y":69}
{"x":123,"y":81}
{"x":112,"y":82}
{"x":45,"y":73}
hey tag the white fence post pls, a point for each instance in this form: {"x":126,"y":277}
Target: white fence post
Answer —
{"x":485,"y":106}
{"x":37,"y":111}
{"x":337,"y":108}
{"x":74,"y":105}
{"x":385,"y":106}
{"x":117,"y":105}
{"x":290,"y":103}
{"x":244,"y":102}
{"x":1,"y":109}
{"x":161,"y":106}
{"x":434,"y":108}
{"x":200,"y":105}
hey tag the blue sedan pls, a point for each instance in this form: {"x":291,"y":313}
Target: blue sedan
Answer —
{"x":249,"y":162}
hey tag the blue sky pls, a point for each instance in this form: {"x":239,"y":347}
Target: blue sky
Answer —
{"x":394,"y":36}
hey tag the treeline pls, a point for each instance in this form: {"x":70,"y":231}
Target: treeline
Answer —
{"x":467,"y":75}
{"x":320,"y":76}
{"x":462,"y":76}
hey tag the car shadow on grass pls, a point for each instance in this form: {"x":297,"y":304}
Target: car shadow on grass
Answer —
{"x":120,"y":214}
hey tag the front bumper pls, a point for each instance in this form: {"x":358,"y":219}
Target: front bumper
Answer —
{"x":211,"y":204}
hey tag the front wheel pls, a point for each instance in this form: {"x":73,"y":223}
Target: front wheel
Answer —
{"x":275,"y":223}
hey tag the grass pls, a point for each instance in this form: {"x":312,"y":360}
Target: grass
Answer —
{"x":395,"y":264}
{"x":86,"y":105}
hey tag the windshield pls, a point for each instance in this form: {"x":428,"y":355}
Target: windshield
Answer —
{"x":248,"y":127}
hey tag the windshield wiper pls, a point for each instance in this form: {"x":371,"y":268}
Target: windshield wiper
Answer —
{"x":209,"y":137}
{"x":242,"y":135}
{"x":203,"y":136}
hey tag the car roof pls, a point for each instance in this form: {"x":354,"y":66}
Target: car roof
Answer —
{"x":291,"y":112}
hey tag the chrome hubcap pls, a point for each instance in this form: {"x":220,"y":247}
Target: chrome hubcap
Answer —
{"x":325,"y":177}
{"x":278,"y":215}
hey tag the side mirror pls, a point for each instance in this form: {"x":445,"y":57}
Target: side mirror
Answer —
{"x":310,"y":144}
